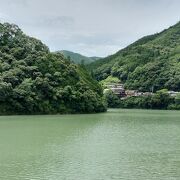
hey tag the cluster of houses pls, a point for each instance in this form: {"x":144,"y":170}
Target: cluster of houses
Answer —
{"x":120,"y":91}
{"x":117,"y":89}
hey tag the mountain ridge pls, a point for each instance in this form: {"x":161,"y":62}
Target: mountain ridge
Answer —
{"x":152,"y":61}
{"x":78,"y":58}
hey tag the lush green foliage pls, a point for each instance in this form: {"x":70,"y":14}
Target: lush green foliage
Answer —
{"x":78,"y":58}
{"x":160,"y":100}
{"x":33,"y":80}
{"x":151,"y":62}
{"x":110,"y":80}
{"x":112,"y":100}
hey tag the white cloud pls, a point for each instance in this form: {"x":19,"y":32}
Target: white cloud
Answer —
{"x":3,"y":17}
{"x":91,"y":27}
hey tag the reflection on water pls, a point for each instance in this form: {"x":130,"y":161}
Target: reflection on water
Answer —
{"x":120,"y":144}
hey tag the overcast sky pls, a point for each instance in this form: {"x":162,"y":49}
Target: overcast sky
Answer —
{"x":90,"y":27}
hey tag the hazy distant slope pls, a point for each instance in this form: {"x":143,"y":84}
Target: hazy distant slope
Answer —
{"x":153,"y":61}
{"x":78,"y":58}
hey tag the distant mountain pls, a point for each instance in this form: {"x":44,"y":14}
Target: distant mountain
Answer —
{"x":95,"y":58}
{"x":78,"y":58}
{"x":152,"y":62}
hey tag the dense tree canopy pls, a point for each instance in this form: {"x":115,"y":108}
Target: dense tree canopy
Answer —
{"x":160,"y":100}
{"x":33,"y":80}
{"x":151,"y":62}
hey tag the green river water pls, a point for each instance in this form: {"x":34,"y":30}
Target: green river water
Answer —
{"x":119,"y":144}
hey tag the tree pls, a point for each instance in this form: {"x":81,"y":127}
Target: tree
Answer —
{"x":35,"y":81}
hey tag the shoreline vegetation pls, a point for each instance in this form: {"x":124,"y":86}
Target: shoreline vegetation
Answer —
{"x":118,"y":97}
{"x":35,"y":81}
{"x":160,"y":100}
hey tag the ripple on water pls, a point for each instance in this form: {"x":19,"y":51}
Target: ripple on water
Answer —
{"x":120,"y":144}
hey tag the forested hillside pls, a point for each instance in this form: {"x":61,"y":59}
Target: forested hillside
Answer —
{"x":78,"y":58}
{"x":35,"y":81}
{"x":152,"y":62}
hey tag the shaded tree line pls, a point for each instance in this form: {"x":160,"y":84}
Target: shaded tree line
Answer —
{"x":160,"y":100}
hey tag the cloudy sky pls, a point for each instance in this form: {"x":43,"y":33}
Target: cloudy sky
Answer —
{"x":90,"y":27}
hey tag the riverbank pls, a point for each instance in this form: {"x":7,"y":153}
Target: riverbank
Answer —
{"x":160,"y":100}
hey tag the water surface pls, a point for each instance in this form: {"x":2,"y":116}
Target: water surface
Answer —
{"x":119,"y":144}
